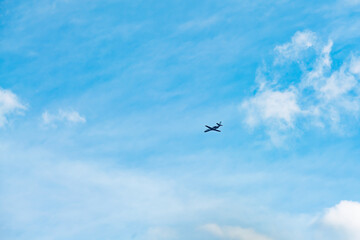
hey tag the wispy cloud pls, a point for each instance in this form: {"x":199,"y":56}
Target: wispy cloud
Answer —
{"x":351,"y":2}
{"x":62,"y":116}
{"x":9,"y":104}
{"x":199,"y":24}
{"x":236,"y":233}
{"x":321,"y":95}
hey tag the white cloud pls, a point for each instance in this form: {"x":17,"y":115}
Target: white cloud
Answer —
{"x":300,"y":42}
{"x":344,"y":218}
{"x":338,"y":84}
{"x":233,"y":233}
{"x":9,"y":103}
{"x":325,"y":97}
{"x":279,"y":108}
{"x":63,"y":116}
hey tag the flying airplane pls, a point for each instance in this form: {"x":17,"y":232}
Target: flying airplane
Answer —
{"x":214,"y":128}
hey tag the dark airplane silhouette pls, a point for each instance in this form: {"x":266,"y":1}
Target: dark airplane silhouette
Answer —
{"x":214,"y":128}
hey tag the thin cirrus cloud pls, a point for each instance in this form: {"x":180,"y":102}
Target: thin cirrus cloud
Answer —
{"x":62,"y":199}
{"x":9,"y":104}
{"x":351,"y":2}
{"x":62,"y":116}
{"x":230,"y":232}
{"x":321,"y":95}
{"x":199,"y":23}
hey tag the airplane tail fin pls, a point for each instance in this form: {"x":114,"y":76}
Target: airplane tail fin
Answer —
{"x":219,"y":124}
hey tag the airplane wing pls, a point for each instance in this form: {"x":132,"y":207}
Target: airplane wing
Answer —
{"x":208,"y":126}
{"x":207,"y":130}
{"x":216,"y":130}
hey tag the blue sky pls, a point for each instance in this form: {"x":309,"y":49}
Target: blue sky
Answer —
{"x":103,"y":106}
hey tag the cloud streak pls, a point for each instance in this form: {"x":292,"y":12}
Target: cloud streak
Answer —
{"x":62,"y":116}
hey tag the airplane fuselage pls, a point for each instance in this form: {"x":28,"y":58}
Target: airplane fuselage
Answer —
{"x":214,"y":128}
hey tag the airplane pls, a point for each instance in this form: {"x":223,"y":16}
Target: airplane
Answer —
{"x":214,"y":128}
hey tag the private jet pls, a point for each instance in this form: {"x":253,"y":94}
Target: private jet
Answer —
{"x":214,"y":128}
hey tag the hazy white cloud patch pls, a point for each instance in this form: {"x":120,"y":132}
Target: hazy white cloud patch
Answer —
{"x":159,"y":233}
{"x":9,"y":104}
{"x":233,"y":233}
{"x":62,"y":116}
{"x":321,"y":95}
{"x":342,"y":221}
{"x":55,"y":199}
